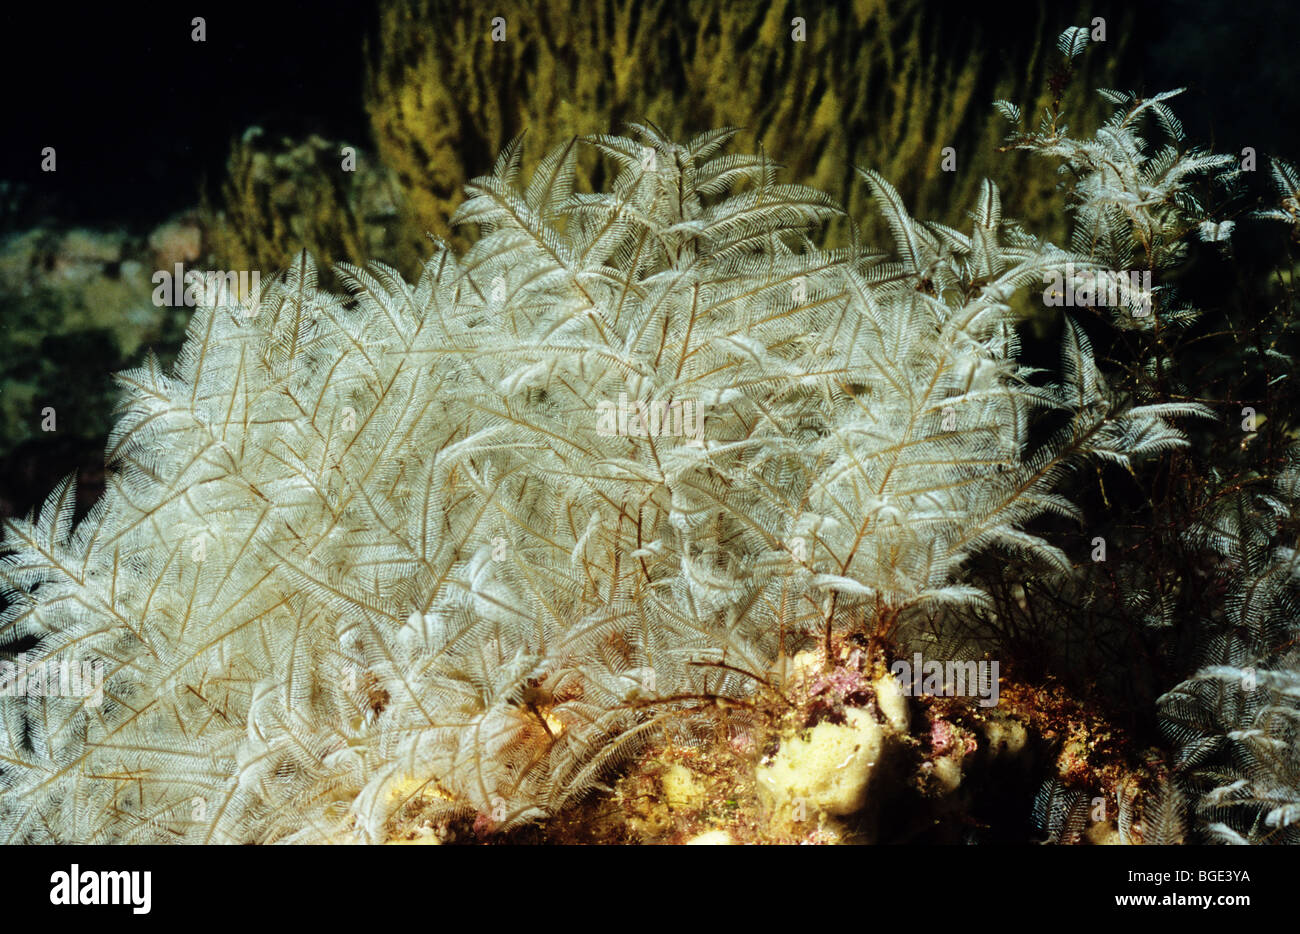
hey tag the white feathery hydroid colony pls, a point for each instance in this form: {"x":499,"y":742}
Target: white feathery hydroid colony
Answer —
{"x":380,"y":552}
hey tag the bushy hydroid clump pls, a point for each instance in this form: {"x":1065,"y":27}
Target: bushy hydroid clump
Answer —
{"x":281,"y":196}
{"x":410,"y":543}
{"x":1138,"y":199}
{"x":449,"y":83}
{"x":1234,"y":722}
{"x":876,"y":82}
{"x":465,"y":545}
{"x":1200,"y":606}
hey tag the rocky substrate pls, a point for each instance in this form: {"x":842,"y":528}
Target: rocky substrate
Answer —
{"x":838,"y":755}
